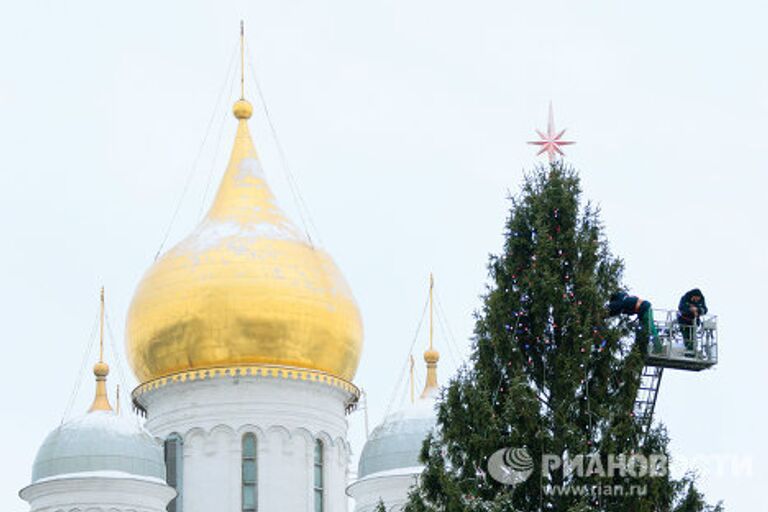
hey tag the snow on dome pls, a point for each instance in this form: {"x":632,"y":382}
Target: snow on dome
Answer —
{"x":396,"y":443}
{"x":100,"y":441}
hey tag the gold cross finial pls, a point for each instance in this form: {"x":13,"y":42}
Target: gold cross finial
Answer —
{"x":101,"y":369}
{"x":101,"y":327}
{"x":242,"y":108}
{"x":431,"y":356}
{"x":242,"y":60}
{"x":431,"y":316}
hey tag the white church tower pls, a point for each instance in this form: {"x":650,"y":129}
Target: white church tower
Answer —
{"x":245,"y":338}
{"x":99,"y":462}
{"x":389,"y":464}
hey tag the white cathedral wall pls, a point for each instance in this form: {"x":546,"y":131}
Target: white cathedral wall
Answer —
{"x":97,"y":494}
{"x":286,"y":416}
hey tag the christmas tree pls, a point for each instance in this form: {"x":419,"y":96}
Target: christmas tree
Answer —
{"x":549,"y":374}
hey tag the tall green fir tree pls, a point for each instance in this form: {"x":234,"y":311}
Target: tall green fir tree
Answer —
{"x":549,"y":373}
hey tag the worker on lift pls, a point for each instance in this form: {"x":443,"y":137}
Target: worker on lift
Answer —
{"x":621,"y":303}
{"x":692,"y":306}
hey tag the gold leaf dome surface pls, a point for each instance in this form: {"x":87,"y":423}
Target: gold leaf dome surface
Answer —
{"x":244,"y":288}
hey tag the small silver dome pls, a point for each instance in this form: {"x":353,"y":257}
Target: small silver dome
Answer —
{"x":396,"y":443}
{"x":100,"y":441}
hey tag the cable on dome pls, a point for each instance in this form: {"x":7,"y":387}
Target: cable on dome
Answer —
{"x":118,"y":363}
{"x":451,"y":336}
{"x":197,"y":158}
{"x":81,"y":370}
{"x":442,"y":321}
{"x":419,"y":380}
{"x":400,"y":379}
{"x":302,"y":209}
{"x":214,"y":166}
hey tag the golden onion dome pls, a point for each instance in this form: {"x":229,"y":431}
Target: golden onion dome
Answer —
{"x":244,"y":288}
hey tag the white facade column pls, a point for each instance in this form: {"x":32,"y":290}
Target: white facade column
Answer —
{"x":286,"y":414}
{"x":211,"y":472}
{"x":337,"y":464}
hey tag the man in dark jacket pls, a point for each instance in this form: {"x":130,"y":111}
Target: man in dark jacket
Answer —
{"x":622,"y":303}
{"x":692,"y":306}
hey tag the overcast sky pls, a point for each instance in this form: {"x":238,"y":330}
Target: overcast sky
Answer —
{"x":404,"y":124}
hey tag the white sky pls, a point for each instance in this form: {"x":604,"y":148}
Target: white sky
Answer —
{"x":405,"y":125}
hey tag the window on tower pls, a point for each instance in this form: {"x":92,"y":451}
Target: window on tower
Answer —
{"x":319,"y":476}
{"x":250,"y":496}
{"x":174,"y":456}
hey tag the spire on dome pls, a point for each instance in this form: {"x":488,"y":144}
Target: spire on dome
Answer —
{"x":244,"y":196}
{"x":101,"y":369}
{"x":242,"y":60}
{"x":243,"y":108}
{"x":431,"y":356}
{"x":245,"y":289}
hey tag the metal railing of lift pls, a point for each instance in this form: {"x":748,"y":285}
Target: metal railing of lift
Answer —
{"x":694,"y":345}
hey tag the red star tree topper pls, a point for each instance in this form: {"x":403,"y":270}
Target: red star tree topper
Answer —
{"x":551,"y":140}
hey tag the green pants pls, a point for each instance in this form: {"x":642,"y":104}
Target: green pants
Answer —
{"x":689,"y":334}
{"x":648,"y":328}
